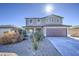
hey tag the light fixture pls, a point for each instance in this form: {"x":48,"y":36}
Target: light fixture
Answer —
{"x":31,"y":30}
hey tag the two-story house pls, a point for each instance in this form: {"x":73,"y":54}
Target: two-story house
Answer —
{"x":51,"y":26}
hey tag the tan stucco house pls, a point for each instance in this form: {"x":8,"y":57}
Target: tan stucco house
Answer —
{"x":51,"y":26}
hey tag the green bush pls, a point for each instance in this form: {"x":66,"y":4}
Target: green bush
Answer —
{"x":39,"y":36}
{"x":35,"y":38}
{"x":35,"y":45}
{"x":34,"y":42}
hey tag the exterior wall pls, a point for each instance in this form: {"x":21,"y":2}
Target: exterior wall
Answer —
{"x":68,"y":34}
{"x":34,"y":22}
{"x":44,"y":31}
{"x":53,"y":20}
{"x":43,"y":21}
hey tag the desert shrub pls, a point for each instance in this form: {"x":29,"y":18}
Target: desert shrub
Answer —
{"x":21,"y":34}
{"x":39,"y":36}
{"x":35,"y":45}
{"x":9,"y":37}
{"x":34,"y":42}
{"x":35,"y":38}
{"x":1,"y":40}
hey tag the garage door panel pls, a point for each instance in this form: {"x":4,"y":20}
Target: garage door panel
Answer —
{"x":56,"y":32}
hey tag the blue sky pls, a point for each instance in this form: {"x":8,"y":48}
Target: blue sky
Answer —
{"x":14,"y":14}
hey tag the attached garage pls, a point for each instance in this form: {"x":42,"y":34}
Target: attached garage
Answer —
{"x":56,"y":32}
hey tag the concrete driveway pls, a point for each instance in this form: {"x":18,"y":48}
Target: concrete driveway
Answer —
{"x":65,"y":45}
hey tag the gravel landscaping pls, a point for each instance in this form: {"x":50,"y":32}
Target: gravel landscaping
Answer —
{"x":24,"y":48}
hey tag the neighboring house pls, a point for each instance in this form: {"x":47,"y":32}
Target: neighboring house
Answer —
{"x":5,"y":28}
{"x":51,"y":25}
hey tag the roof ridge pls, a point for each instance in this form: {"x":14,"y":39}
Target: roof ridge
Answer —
{"x":43,"y":16}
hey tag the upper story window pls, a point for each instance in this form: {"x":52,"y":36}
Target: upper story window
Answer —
{"x":38,"y":20}
{"x":57,"y":20}
{"x":52,"y":20}
{"x":31,"y":21}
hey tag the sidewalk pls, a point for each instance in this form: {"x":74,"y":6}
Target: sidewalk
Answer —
{"x":7,"y":54}
{"x":73,"y":37}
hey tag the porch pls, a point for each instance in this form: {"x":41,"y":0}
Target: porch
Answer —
{"x":32,"y":29}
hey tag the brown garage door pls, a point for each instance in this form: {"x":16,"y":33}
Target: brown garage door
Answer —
{"x":56,"y":32}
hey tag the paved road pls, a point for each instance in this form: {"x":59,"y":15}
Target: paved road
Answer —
{"x":65,"y":45}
